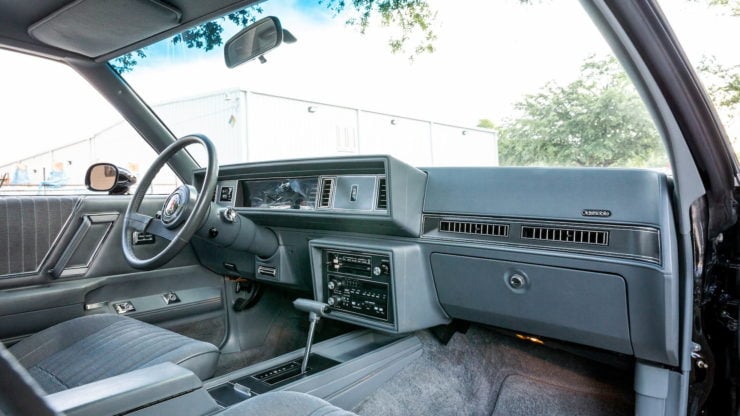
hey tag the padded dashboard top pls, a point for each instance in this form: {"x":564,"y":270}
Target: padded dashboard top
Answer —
{"x":627,"y":196}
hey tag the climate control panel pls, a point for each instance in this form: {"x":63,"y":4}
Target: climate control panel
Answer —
{"x":359,"y":283}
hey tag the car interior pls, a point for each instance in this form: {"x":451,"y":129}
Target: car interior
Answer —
{"x":362,"y":285}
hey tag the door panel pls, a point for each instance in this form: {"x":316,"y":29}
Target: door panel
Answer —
{"x":29,"y":226}
{"x":85,"y":272}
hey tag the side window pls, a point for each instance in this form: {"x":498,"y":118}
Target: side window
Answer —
{"x":55,"y":125}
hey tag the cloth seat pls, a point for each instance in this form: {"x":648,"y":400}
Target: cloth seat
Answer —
{"x":91,"y":348}
{"x":285,"y":403}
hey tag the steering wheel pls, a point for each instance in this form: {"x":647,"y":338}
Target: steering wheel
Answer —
{"x":183,"y":211}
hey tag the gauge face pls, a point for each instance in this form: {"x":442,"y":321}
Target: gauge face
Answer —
{"x":282,"y":193}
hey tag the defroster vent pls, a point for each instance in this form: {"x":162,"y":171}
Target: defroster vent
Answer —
{"x":566,"y":235}
{"x":475,"y":228}
{"x":327,"y":189}
{"x":382,"y":202}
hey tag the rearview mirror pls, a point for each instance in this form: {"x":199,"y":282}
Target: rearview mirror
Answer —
{"x":255,"y":40}
{"x":106,"y":177}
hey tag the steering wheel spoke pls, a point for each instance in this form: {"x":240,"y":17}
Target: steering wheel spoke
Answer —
{"x":158,"y":228}
{"x":138,"y":222}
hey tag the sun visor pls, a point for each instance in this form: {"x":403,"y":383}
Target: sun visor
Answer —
{"x":97,"y":27}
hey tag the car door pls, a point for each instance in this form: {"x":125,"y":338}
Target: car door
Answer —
{"x":60,"y":244}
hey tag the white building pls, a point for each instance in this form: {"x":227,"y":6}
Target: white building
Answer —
{"x":250,"y":126}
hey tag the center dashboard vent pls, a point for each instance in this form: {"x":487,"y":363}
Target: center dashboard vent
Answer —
{"x":327,"y":189}
{"x":382,"y":202}
{"x":566,"y":235}
{"x":475,"y":228}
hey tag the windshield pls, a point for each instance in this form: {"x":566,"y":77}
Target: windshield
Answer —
{"x":511,"y":83}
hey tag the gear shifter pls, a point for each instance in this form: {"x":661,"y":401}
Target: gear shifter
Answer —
{"x":316,"y":310}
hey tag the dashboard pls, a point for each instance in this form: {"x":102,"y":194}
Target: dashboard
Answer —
{"x":580,"y":255}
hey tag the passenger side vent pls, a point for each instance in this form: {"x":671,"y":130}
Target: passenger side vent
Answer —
{"x":476,"y":228}
{"x":327,"y":189}
{"x":566,"y":235}
{"x":382,"y":202}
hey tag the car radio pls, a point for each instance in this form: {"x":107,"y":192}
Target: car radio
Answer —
{"x":359,"y":283}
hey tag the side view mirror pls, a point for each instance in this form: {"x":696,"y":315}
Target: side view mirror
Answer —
{"x":106,"y":177}
{"x":255,"y":40}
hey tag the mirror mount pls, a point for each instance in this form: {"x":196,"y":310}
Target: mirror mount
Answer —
{"x":106,"y":177}
{"x":255,"y":40}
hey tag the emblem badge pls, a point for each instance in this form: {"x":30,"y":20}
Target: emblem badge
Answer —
{"x":596,"y":213}
{"x":172,"y":205}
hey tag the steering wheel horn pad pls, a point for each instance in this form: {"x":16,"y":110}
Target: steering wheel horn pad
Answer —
{"x":178,"y":206}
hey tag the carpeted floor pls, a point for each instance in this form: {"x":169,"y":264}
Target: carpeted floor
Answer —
{"x":487,"y":373}
{"x":209,"y":330}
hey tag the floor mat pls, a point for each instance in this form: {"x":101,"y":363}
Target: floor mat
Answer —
{"x":465,"y":376}
{"x":524,"y":396}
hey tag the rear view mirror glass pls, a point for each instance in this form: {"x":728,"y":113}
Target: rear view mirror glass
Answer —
{"x":254,"y":41}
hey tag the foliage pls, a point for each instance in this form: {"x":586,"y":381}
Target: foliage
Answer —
{"x":205,"y":36}
{"x":596,"y":120}
{"x":412,"y":18}
{"x":733,"y":6}
{"x":723,"y":84}
{"x":485,"y":123}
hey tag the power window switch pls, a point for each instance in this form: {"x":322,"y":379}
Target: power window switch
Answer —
{"x":124,"y":307}
{"x":170,"y":297}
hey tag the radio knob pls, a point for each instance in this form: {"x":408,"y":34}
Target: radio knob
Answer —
{"x":385,"y":269}
{"x":331,"y":285}
{"x":333,"y":301}
{"x":376,"y":271}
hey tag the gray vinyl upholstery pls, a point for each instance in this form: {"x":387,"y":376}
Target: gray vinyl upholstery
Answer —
{"x":95,"y":347}
{"x":285,"y":403}
{"x":28,"y":227}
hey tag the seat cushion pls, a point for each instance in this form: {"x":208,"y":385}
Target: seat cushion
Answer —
{"x":285,"y":403}
{"x":95,"y":347}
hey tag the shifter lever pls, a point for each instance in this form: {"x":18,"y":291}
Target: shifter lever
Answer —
{"x":316,"y":310}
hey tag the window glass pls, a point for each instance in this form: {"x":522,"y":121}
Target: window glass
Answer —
{"x":708,"y":31}
{"x":479,"y":83}
{"x":56,"y":125}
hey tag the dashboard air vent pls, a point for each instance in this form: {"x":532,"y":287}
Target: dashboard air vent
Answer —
{"x":327,"y":188}
{"x":566,"y":235}
{"x":477,"y":228}
{"x":382,"y":202}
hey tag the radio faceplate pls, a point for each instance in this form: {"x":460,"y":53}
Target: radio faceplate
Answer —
{"x":359,"y":283}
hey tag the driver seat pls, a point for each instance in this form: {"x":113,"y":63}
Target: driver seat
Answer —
{"x":94,"y":347}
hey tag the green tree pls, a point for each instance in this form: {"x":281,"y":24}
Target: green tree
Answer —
{"x":412,"y":18}
{"x":723,"y":84}
{"x":596,"y":120}
{"x":485,"y":123}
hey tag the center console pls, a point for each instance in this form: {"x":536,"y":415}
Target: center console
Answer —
{"x":384,"y":285}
